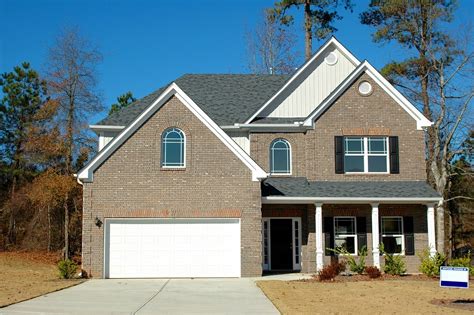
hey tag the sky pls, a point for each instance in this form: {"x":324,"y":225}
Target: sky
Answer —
{"x":146,"y":44}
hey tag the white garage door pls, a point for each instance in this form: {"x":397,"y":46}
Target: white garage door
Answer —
{"x":172,"y":248}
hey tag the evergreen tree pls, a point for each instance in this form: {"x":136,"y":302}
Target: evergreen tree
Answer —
{"x":122,"y":101}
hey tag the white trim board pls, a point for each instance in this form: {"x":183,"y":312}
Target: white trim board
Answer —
{"x":331,"y":41}
{"x":355,"y":200}
{"x":86,"y":174}
{"x":421,"y":121}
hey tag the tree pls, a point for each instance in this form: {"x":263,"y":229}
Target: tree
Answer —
{"x":23,"y":95}
{"x":319,"y":17}
{"x":71,"y":75}
{"x":122,"y":101}
{"x":270,"y":48}
{"x":436,"y":74}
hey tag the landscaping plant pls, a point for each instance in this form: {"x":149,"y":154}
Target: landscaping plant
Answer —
{"x":373,"y":272}
{"x":67,"y":269}
{"x":430,"y":265}
{"x":354,"y":265}
{"x":463,"y":262}
{"x":329,"y":272}
{"x":394,"y":264}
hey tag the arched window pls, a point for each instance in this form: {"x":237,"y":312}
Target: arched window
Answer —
{"x":280,"y":157}
{"x":173,"y":147}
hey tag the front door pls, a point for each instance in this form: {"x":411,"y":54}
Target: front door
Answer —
{"x":281,"y":248}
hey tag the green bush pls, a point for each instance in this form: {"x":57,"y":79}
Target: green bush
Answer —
{"x":394,"y":264}
{"x":67,"y":269}
{"x":463,"y":262}
{"x":354,"y":265}
{"x":430,"y":265}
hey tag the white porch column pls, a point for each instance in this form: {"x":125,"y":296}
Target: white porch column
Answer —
{"x":430,"y":218}
{"x":375,"y":235}
{"x":319,"y":236}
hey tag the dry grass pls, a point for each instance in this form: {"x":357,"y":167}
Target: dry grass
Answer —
{"x":364,"y":297}
{"x":26,"y":275}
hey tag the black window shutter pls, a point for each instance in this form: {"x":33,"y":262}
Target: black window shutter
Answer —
{"x":361,"y":233}
{"x":339,"y":154}
{"x":394,"y":161}
{"x":409,"y":236}
{"x":328,"y":230}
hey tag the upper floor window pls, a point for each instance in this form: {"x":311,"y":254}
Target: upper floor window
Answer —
{"x":366,"y":155}
{"x":280,"y":157}
{"x":173,"y":148}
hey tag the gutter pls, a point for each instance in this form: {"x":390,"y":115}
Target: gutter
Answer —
{"x":359,"y":200}
{"x":106,"y":128}
{"x":294,"y":127}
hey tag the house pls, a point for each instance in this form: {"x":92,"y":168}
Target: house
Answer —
{"x":233,"y":175}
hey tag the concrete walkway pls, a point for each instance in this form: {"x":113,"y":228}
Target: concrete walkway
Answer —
{"x":176,"y":296}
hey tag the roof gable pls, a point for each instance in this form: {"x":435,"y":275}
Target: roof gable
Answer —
{"x":86,"y":174}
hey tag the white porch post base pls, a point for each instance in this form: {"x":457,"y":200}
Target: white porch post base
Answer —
{"x":375,"y":235}
{"x":319,"y":236}
{"x":430,"y":217}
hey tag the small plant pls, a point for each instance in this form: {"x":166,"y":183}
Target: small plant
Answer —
{"x":329,"y":272}
{"x":430,"y":264}
{"x":67,"y":269}
{"x":373,"y":272}
{"x":394,"y":264}
{"x":463,"y":262}
{"x":354,"y":265}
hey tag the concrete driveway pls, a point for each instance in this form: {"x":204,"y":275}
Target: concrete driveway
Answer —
{"x":175,"y":296}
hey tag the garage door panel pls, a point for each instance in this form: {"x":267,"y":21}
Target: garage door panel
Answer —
{"x":173,"y":248}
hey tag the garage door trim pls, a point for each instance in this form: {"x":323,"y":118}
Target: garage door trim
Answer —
{"x":109,"y":221}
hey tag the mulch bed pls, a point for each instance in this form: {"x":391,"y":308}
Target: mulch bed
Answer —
{"x":467,"y":304}
{"x":383,"y":277}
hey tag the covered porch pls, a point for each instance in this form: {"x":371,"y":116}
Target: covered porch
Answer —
{"x":350,"y":215}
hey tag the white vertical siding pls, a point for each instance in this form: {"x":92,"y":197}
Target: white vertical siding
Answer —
{"x":105,"y":137}
{"x":241,"y":138}
{"x":315,"y":88}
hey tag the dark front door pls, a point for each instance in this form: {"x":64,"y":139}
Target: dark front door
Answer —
{"x":281,"y":244}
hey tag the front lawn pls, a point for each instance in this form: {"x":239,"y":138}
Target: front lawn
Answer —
{"x":365,"y":297}
{"x":27,"y":275}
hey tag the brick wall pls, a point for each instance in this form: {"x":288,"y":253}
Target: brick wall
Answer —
{"x":351,"y":114}
{"x":308,"y":242}
{"x":131,"y":183}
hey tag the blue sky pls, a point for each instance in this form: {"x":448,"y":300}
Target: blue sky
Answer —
{"x":146,"y":44}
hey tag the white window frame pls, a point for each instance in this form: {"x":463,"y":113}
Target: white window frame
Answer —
{"x":272,"y":159}
{"x":163,"y":150}
{"x":356,"y":245}
{"x":402,"y":253}
{"x":366,"y":154}
{"x":267,"y":242}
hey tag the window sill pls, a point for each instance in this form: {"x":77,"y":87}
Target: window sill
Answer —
{"x":166,"y":169}
{"x":280,"y":175}
{"x":365,"y":174}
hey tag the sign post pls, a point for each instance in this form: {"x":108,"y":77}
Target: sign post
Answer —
{"x":454,"y":277}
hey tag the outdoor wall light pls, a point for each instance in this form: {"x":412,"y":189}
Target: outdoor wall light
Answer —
{"x":98,"y":222}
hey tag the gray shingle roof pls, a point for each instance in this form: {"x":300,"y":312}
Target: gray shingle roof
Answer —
{"x":301,"y":187}
{"x":226,"y":98}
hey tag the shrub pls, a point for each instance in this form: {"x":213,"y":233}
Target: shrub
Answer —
{"x":67,"y":269}
{"x":354,"y":265}
{"x":394,"y":264}
{"x":373,"y":272}
{"x":463,"y":262}
{"x":330,"y":272}
{"x":430,"y":265}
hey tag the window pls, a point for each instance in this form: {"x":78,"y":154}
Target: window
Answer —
{"x":345,"y":234}
{"x":392,"y":235}
{"x":366,"y":155}
{"x":280,"y":157}
{"x":173,"y":148}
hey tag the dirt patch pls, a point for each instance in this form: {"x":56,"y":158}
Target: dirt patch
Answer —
{"x":25,"y":275}
{"x":403,"y":295}
{"x":466,"y":304}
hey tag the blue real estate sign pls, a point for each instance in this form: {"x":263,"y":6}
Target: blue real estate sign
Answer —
{"x":454,"y":277}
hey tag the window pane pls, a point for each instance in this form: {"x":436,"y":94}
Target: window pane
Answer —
{"x":392,"y":226}
{"x":377,"y":146}
{"x":377,"y":163}
{"x":354,"y":145}
{"x":173,"y":154}
{"x":353,"y":163}
{"x":344,"y":226}
{"x":280,"y":157}
{"x":392,"y":244}
{"x":346,"y":242}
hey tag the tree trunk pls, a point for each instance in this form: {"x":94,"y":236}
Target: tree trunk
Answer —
{"x":12,"y":221}
{"x":308,"y":27}
{"x":49,"y":228}
{"x":66,"y":229}
{"x":70,"y":136}
{"x":440,"y":228}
